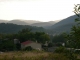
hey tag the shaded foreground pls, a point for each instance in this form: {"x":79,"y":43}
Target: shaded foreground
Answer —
{"x":35,"y":55}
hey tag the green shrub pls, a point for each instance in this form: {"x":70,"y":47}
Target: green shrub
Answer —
{"x":28,"y":48}
{"x":61,"y":50}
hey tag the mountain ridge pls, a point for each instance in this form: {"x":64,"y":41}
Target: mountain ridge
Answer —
{"x":44,"y":24}
{"x":14,"y":28}
{"x":64,"y":25}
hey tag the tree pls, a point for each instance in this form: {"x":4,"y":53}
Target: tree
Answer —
{"x":73,"y":38}
{"x":41,"y":37}
{"x":7,"y":45}
{"x":58,"y":38}
{"x":25,"y":34}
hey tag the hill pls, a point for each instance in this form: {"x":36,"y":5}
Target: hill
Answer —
{"x":3,"y":21}
{"x":23,"y":22}
{"x":64,"y":25}
{"x":44,"y":24}
{"x":13,"y":28}
{"x":31,"y":21}
{"x":18,"y":22}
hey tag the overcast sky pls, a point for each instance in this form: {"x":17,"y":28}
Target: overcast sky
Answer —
{"x":42,"y":10}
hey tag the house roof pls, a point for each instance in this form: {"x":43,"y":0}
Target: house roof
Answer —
{"x":26,"y":42}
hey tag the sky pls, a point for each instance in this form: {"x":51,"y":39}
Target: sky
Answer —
{"x":40,"y":10}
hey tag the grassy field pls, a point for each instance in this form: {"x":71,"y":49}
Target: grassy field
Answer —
{"x":32,"y":55}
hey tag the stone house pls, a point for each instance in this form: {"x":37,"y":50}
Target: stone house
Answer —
{"x":34,"y":45}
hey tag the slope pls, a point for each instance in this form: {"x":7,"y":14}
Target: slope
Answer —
{"x":13,"y":28}
{"x":64,"y":25}
{"x":44,"y":24}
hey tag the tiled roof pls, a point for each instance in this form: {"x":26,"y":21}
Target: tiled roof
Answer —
{"x":26,"y":42}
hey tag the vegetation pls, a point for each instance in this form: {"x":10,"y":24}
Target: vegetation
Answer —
{"x":32,"y":55}
{"x":13,"y":28}
{"x":67,"y":52}
{"x":28,"y":48}
{"x":7,"y":40}
{"x":60,"y":50}
{"x":73,"y":39}
{"x":57,"y":40}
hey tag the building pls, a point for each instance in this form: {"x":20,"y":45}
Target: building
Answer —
{"x":34,"y":45}
{"x":16,"y":41}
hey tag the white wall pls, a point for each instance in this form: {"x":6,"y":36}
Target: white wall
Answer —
{"x":33,"y":45}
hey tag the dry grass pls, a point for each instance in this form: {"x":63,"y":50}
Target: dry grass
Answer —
{"x":34,"y":55}
{"x":24,"y":55}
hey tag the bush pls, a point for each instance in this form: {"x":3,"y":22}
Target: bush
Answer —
{"x":28,"y":48}
{"x":61,"y":50}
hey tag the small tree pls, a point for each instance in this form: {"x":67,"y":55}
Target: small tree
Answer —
{"x":73,"y":39}
{"x":28,"y":48}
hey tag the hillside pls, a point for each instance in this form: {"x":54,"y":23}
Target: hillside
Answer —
{"x":13,"y":28}
{"x":52,"y":27}
{"x":44,"y":24}
{"x":18,"y":22}
{"x":31,"y":21}
{"x":64,"y":25}
{"x":23,"y":22}
{"x":3,"y":21}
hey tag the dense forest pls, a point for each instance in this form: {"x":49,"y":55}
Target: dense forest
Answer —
{"x":13,"y":28}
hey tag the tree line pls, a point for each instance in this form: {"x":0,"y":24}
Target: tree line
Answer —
{"x":7,"y":40}
{"x":13,"y":28}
